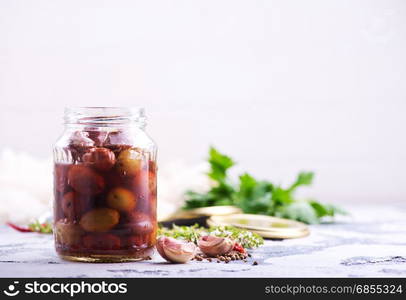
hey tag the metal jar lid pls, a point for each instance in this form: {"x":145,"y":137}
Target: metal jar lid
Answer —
{"x":203,"y":212}
{"x":265,"y":226}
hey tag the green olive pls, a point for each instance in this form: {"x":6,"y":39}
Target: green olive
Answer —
{"x":100,"y":220}
{"x":121,"y":199}
{"x":67,"y":233}
{"x":129,"y":162}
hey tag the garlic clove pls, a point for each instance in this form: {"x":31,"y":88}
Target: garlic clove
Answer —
{"x":160,"y":247}
{"x":213,"y":245}
{"x":175,"y":251}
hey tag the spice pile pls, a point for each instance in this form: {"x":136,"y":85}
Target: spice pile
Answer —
{"x":238,"y":253}
{"x":226,"y":258}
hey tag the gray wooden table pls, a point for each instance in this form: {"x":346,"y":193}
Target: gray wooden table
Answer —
{"x":370,"y":243}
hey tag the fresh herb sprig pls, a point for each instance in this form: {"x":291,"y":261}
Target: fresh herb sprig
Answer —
{"x":258,"y":196}
{"x":245,"y":238}
{"x":36,"y":226}
{"x":187,"y":233}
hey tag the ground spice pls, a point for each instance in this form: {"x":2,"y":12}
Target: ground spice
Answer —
{"x":226,"y":258}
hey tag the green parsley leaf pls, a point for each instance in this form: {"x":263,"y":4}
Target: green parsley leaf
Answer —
{"x":219,"y":164}
{"x":222,"y":191}
{"x":323,"y":210}
{"x":304,"y":178}
{"x":254,"y":196}
{"x":300,"y":211}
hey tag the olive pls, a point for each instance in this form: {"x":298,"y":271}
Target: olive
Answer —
{"x":101,"y":159}
{"x":121,"y":199}
{"x":139,"y":223}
{"x":136,"y":241}
{"x":104,"y":241}
{"x":67,"y":233}
{"x":118,"y":138}
{"x":100,"y":220}
{"x":81,"y":139}
{"x":60,"y":177}
{"x":145,"y":190}
{"x":96,"y":135}
{"x":84,"y":180}
{"x":74,"y":206}
{"x":152,"y":182}
{"x":113,"y":179}
{"x":129,"y":162}
{"x":145,"y":183}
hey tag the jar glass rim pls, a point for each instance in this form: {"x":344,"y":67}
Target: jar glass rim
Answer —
{"x":105,"y":116}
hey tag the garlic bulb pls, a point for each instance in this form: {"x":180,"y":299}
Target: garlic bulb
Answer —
{"x":213,"y":245}
{"x":174,"y":250}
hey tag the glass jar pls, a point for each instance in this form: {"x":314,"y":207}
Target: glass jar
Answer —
{"x":104,"y":186}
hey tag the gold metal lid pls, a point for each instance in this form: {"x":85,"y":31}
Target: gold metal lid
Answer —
{"x":203,"y":212}
{"x":265,"y":226}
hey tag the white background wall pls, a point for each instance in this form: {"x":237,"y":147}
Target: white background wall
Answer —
{"x":279,"y":85}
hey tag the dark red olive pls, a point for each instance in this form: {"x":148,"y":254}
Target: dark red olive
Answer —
{"x":74,"y":205}
{"x":101,"y":159}
{"x":61,"y":177}
{"x":81,"y":139}
{"x":135,"y":241}
{"x":118,"y":138}
{"x":146,"y":182}
{"x":84,"y":180}
{"x":152,"y":182}
{"x":79,"y":144}
{"x":145,"y":190}
{"x":97,"y":136}
{"x":101,"y":242}
{"x":139,"y":223}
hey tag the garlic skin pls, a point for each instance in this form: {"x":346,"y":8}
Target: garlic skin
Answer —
{"x":213,"y":245}
{"x":175,"y":251}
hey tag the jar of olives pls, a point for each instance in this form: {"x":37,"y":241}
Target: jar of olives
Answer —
{"x":104,"y":186}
